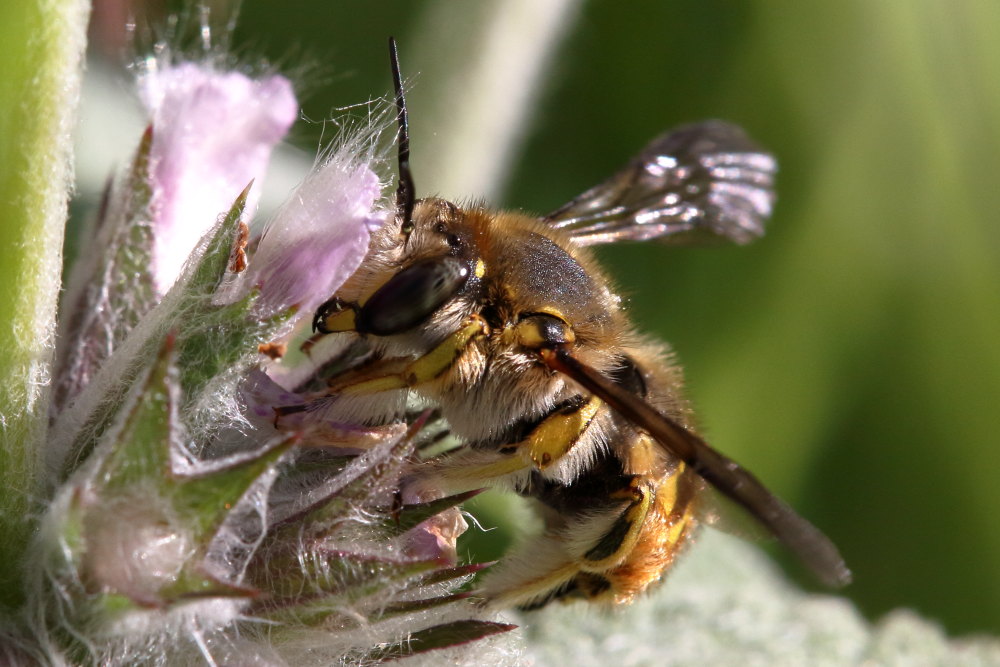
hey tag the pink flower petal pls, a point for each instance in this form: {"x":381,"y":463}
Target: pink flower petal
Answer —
{"x":437,"y":537}
{"x":213,"y":132}
{"x":319,"y":237}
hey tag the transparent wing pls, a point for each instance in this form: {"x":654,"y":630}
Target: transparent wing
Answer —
{"x":698,"y":183}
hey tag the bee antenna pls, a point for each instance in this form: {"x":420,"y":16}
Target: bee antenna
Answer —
{"x":404,"y":192}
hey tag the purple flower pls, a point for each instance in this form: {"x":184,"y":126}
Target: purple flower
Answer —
{"x":320,"y":235}
{"x":437,"y":537}
{"x":213,"y":133}
{"x":193,"y":491}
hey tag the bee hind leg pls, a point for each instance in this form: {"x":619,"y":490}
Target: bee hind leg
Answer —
{"x":576,"y":560}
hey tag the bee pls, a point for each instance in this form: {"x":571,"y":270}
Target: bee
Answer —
{"x":506,"y":323}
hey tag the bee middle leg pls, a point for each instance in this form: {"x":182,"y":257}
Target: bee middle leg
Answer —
{"x":544,"y":446}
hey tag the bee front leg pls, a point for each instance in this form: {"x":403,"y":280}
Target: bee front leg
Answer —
{"x":423,"y":369}
{"x":380,"y":387}
{"x":549,"y":441}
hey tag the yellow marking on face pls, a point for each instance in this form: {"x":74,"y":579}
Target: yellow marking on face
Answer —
{"x":540,"y":331}
{"x":557,"y":434}
{"x":480,"y":268}
{"x":342,"y":321}
{"x":529,"y":335}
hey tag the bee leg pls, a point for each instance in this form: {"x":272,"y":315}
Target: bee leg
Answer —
{"x":576,"y":564}
{"x":379,"y":387}
{"x":642,"y":542}
{"x":424,"y":369}
{"x":550,"y":440}
{"x":504,"y":588}
{"x":570,"y":562}
{"x":556,"y":435}
{"x":571,"y":566}
{"x":615,"y":545}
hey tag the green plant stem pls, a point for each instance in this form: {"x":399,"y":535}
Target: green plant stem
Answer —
{"x":41,"y":63}
{"x":482,"y":102}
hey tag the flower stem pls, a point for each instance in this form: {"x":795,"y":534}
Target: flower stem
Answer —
{"x":484,"y":101}
{"x":39,"y":91}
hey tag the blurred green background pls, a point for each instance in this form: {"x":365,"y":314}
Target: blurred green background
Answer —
{"x":851,"y":357}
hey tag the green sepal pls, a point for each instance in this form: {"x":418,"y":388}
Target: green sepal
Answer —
{"x":432,"y":638}
{"x":214,"y":261}
{"x":191,"y":585}
{"x":138,"y":183}
{"x":140,"y":449}
{"x":412,"y":606}
{"x":66,"y":561}
{"x":188,"y":587}
{"x":206,"y":499}
{"x":140,"y":458}
{"x":111,"y":287}
{"x":210,"y":339}
{"x":140,"y":453}
{"x":373,"y":472}
{"x":133,"y":259}
{"x":411,"y":516}
{"x":215,"y":339}
{"x":328,"y":467}
{"x":126,"y":271}
{"x":329,"y":579}
{"x":452,"y":573}
{"x":333,"y":613}
{"x":110,"y":606}
{"x":72,"y":533}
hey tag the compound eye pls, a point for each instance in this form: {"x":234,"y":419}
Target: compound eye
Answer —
{"x":544,"y":330}
{"x":412,"y":295}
